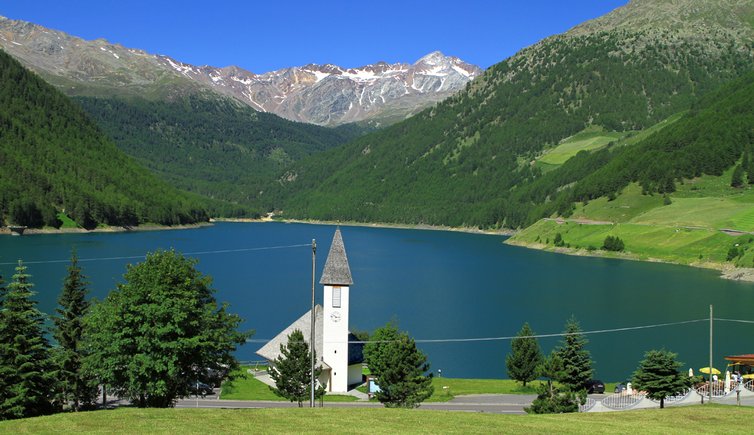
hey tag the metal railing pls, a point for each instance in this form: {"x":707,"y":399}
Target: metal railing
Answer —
{"x":589,"y":404}
{"x":718,"y":389}
{"x":677,"y":397}
{"x":622,"y":400}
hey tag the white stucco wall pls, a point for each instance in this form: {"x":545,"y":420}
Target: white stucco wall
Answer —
{"x":354,"y":374}
{"x":335,"y":338}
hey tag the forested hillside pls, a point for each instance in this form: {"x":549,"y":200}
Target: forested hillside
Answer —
{"x":54,"y":159}
{"x":462,"y":162}
{"x":716,"y":134}
{"x":210,"y":145}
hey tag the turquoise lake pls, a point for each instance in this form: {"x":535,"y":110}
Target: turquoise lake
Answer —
{"x":438,"y":285}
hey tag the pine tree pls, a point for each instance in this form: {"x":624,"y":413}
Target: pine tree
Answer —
{"x":577,"y":363}
{"x":658,"y":374}
{"x":292,"y":371}
{"x":550,"y":399}
{"x":26,"y":382}
{"x":737,"y":179}
{"x":76,"y":385}
{"x":525,"y":356}
{"x":400,"y":368}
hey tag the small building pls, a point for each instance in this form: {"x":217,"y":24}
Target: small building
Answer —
{"x":337,"y":354}
{"x":743,"y":364}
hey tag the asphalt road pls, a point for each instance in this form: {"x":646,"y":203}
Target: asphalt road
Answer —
{"x":491,"y":403}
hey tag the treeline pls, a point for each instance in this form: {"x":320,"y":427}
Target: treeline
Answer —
{"x":149,"y":341}
{"x":208,"y":145}
{"x":715,"y":135}
{"x":54,"y":159}
{"x":463,"y":161}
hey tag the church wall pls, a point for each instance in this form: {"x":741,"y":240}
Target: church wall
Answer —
{"x":354,"y":374}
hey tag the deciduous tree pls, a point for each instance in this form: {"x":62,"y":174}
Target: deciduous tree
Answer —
{"x":160,"y":331}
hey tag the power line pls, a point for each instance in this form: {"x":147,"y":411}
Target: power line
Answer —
{"x":139,"y":257}
{"x":733,"y":320}
{"x":560,"y":334}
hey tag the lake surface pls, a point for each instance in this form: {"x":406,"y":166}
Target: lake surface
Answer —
{"x":437,"y":285}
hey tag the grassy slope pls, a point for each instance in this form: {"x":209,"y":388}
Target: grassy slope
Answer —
{"x":589,"y":139}
{"x":702,"y":419}
{"x":686,"y":231}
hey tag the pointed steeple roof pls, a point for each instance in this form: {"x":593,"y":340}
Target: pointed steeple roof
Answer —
{"x":336,"y":270}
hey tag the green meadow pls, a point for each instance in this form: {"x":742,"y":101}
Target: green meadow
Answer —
{"x":685,"y":231}
{"x":712,"y":419}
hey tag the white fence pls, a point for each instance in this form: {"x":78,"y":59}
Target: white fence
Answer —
{"x":691,"y":396}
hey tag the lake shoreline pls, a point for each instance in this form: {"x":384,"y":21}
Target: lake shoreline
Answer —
{"x":423,"y":227}
{"x":5,"y":231}
{"x":727,"y":271}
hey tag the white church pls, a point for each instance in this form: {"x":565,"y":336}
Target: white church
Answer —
{"x":339,"y":360}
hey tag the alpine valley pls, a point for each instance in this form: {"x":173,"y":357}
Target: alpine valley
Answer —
{"x":216,"y":131}
{"x":628,"y":135}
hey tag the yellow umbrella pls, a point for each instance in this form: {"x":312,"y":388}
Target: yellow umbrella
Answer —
{"x":749,"y":376}
{"x":706,"y":371}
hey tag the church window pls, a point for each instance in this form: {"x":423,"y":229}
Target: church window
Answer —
{"x":336,"y":297}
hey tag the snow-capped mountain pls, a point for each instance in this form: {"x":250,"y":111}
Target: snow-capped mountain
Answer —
{"x":318,"y":94}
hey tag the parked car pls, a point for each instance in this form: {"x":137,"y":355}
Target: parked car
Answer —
{"x":595,"y":386}
{"x":200,"y":388}
{"x":619,"y":388}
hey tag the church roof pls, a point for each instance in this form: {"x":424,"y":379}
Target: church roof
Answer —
{"x":336,"y":270}
{"x":271,"y":350}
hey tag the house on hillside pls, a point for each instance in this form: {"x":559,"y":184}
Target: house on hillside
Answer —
{"x":339,"y":357}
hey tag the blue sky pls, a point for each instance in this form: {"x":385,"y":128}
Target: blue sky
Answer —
{"x":263,"y":36}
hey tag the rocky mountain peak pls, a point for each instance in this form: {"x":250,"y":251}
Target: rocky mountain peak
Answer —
{"x":320,"y":94}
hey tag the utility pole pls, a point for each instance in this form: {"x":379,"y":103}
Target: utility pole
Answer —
{"x":710,"y":353}
{"x":311,"y":338}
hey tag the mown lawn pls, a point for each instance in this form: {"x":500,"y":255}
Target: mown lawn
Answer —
{"x":708,"y":419}
{"x":447,"y":388}
{"x":250,"y":388}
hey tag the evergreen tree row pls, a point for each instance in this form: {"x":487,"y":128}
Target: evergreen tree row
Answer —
{"x":54,"y":159}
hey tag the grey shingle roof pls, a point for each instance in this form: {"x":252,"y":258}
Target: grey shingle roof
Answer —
{"x":271,"y":350}
{"x":336,"y":270}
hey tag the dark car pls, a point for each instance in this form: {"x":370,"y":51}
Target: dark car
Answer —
{"x":595,"y":386}
{"x":200,"y":388}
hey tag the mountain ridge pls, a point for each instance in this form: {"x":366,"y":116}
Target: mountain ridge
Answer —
{"x":318,"y":94}
{"x":459,"y":163}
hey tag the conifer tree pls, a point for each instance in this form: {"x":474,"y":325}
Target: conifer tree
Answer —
{"x":550,"y":399}
{"x":525,"y":356}
{"x":577,"y":363}
{"x":400,"y":368}
{"x":292,"y":372}
{"x":75,"y":384}
{"x":26,"y":382}
{"x":658,"y":374}
{"x":737,"y":179}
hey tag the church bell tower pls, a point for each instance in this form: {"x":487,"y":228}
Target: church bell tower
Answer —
{"x":336,"y":279}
